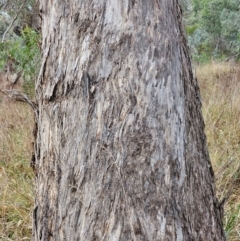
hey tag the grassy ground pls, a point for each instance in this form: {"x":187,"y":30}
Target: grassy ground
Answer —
{"x":16,"y":189}
{"x":220,"y":87}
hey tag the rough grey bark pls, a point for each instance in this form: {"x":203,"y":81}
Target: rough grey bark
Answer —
{"x":120,"y":148}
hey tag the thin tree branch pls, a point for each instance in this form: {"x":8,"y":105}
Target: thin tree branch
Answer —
{"x":18,"y":12}
{"x":4,"y":5}
{"x":1,"y":6}
{"x":231,"y":57}
{"x":19,"y":96}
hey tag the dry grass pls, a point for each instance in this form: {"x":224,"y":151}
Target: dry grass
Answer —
{"x":220,"y":87}
{"x":16,"y":192}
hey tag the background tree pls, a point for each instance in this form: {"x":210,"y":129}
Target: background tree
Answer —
{"x":120,"y":148}
{"x":20,"y":41}
{"x":213,"y":28}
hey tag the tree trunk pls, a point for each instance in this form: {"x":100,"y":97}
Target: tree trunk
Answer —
{"x":120,"y":149}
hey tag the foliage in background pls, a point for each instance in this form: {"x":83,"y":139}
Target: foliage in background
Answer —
{"x":213,"y":28}
{"x":20,"y":53}
{"x":23,"y":52}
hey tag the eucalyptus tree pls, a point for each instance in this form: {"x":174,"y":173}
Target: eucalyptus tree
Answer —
{"x":120,"y":151}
